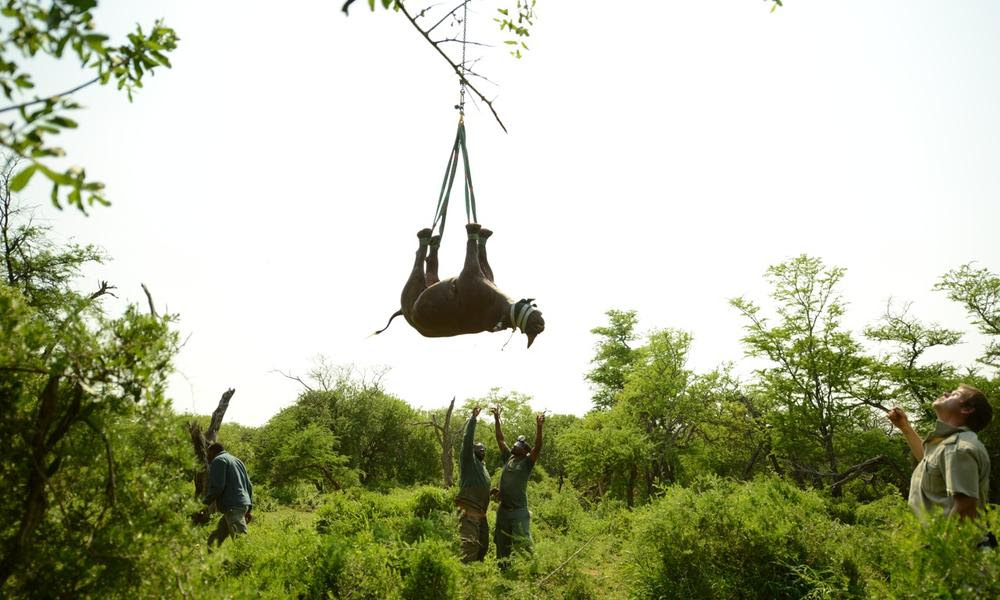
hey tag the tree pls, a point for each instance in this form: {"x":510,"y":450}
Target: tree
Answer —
{"x":74,"y":383}
{"x":62,"y":28}
{"x":978,"y":290}
{"x":370,"y":427}
{"x":605,"y":451}
{"x":815,"y":368}
{"x":613,"y":358}
{"x":902,"y":376}
{"x":655,"y":395}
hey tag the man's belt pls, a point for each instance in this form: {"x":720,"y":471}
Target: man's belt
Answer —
{"x":468,"y":512}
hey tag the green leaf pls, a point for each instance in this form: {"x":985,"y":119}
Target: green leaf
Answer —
{"x":63,"y":122}
{"x":21,"y":179}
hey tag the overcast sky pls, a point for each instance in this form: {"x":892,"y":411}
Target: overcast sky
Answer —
{"x":660,"y":156}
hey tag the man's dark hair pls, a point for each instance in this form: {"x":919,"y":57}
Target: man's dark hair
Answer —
{"x":982,"y":412}
{"x":215,"y":448}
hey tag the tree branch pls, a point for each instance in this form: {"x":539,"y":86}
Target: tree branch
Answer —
{"x":294,"y":378}
{"x":50,"y":98}
{"x":456,"y":68}
{"x":149,"y":298}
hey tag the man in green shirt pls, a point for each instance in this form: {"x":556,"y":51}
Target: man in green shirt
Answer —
{"x":473,"y":494}
{"x":513,"y":527}
{"x":229,"y":487}
{"x":954,"y":469}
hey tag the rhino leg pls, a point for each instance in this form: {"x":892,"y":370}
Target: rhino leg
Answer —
{"x":472,"y":268}
{"x":484,"y":264}
{"x":416,"y":283}
{"x":432,"y":262}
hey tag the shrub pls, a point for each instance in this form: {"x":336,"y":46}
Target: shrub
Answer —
{"x":433,"y":573}
{"x":764,"y":539}
{"x":431,"y":499}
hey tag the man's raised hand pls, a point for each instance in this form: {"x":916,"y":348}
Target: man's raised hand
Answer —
{"x":496,"y":412}
{"x":540,"y":419}
{"x":898,"y":418}
{"x":476,"y":410}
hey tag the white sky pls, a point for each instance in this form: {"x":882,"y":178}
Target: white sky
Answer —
{"x":661,"y":156}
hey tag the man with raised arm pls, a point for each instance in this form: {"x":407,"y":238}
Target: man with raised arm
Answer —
{"x":473,"y":494}
{"x":513,"y":527}
{"x":953,"y":472}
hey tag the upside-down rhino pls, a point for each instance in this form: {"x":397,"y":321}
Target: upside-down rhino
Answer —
{"x":469,"y":303}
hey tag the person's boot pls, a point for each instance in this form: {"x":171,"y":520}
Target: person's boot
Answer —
{"x":473,"y":230}
{"x":484,"y":234}
{"x":435,"y":241}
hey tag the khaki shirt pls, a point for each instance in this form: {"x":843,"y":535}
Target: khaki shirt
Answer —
{"x":955,"y":462}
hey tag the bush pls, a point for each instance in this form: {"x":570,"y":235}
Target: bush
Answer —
{"x":329,"y":564}
{"x":431,"y":499}
{"x":433,"y":573}
{"x":764,"y":539}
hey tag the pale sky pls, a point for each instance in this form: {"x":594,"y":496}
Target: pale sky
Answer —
{"x":661,"y":156}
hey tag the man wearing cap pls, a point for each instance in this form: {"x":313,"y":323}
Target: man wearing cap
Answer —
{"x":229,"y":487}
{"x":513,"y":527}
{"x":473,"y":494}
{"x":954,"y":469}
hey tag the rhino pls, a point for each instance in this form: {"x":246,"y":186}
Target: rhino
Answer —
{"x":469,"y":303}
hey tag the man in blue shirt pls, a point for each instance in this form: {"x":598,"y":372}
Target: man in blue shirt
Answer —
{"x":230,"y":488}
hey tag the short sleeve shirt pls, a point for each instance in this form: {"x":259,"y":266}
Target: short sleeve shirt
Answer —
{"x":514,"y":481}
{"x":955,"y":462}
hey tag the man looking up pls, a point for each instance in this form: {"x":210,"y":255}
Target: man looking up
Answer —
{"x":473,"y":494}
{"x":513,"y":527}
{"x":229,"y":487}
{"x":954,"y":468}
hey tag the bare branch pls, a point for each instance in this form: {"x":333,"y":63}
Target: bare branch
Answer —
{"x":103,"y":289}
{"x":149,"y":298}
{"x":444,"y":18}
{"x":456,"y":68}
{"x":294,"y":378}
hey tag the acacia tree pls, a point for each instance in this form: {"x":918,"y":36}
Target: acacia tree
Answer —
{"x":614,"y":356}
{"x":815,"y":367}
{"x":655,"y":395}
{"x":903,"y":377}
{"x":978,"y":290}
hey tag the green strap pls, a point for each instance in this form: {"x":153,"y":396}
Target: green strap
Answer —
{"x":441,"y":213}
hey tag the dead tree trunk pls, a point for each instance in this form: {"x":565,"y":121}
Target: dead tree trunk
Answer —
{"x":201,"y":441}
{"x":444,"y":438}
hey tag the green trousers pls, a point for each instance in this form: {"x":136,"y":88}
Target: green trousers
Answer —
{"x":513,"y":532}
{"x":474,"y":531}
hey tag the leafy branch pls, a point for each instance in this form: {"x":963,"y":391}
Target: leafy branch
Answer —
{"x":62,"y":28}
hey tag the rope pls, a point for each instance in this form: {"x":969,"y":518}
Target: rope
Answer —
{"x":461,"y":81}
{"x":460,"y":147}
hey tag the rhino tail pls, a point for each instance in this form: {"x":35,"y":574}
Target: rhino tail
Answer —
{"x":394,"y":315}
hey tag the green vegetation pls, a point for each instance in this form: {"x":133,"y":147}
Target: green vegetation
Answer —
{"x":677,"y":484}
